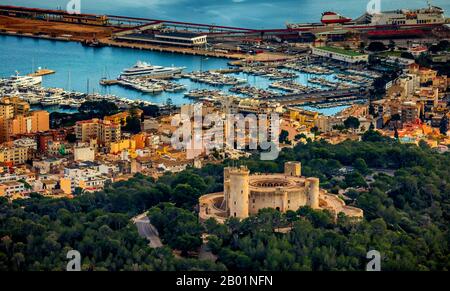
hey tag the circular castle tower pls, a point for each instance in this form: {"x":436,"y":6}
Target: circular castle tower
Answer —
{"x":312,"y":188}
{"x":238,"y":191}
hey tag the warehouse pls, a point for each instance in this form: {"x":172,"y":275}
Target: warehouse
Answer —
{"x":339,"y":54}
{"x":167,"y":38}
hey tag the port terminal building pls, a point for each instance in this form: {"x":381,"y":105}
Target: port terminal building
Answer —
{"x":340,"y":54}
{"x":174,"y":38}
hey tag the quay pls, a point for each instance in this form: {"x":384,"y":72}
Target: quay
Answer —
{"x":318,"y":97}
{"x":41,"y":72}
{"x":37,"y":36}
{"x":105,"y":82}
{"x":227,"y":71}
{"x":262,"y":57}
{"x":106,"y":30}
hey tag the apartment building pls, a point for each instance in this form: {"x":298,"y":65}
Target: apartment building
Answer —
{"x":13,"y":154}
{"x":83,"y":153}
{"x":12,"y":189}
{"x":121,"y":117}
{"x":35,"y":121}
{"x":85,"y":177}
{"x":104,"y":131}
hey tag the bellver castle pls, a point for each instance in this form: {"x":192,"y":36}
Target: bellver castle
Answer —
{"x":245,"y":194}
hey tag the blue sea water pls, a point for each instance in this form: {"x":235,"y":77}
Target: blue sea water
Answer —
{"x":80,"y":68}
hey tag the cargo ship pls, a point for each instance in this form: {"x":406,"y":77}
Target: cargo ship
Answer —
{"x":392,"y":21}
{"x":405,"y":23}
{"x":330,"y":17}
{"x":431,"y":15}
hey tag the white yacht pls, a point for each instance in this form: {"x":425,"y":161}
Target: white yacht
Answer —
{"x":52,"y":100}
{"x":146,"y":69}
{"x":31,"y":98}
{"x":74,"y":103}
{"x":17,"y":80}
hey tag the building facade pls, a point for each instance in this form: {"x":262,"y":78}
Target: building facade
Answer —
{"x":104,"y":131}
{"x":341,"y":55}
{"x":16,"y":119}
{"x":13,"y":154}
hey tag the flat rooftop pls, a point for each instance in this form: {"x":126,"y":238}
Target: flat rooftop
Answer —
{"x":349,"y":53}
{"x":157,"y":38}
{"x":179,"y":34}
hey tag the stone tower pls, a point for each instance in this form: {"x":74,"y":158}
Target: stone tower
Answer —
{"x":293,"y":169}
{"x":226,"y":188}
{"x":312,"y":188}
{"x":238,"y":202}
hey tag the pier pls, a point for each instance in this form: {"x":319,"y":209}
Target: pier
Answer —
{"x":105,"y":82}
{"x":41,"y":72}
{"x":318,"y":97}
{"x":263,"y":57}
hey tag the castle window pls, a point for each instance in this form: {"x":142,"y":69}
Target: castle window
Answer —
{"x":235,"y":214}
{"x":253,"y":200}
{"x":289,"y":201}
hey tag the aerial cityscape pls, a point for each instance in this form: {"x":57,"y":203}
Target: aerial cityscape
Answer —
{"x":135,"y":140}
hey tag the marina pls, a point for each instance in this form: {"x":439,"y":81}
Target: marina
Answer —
{"x":254,"y":92}
{"x":209,"y":95}
{"x":201,"y":93}
{"x":37,"y":95}
{"x":308,"y":69}
{"x":82,"y":69}
{"x":155,"y":77}
{"x":214,"y":78}
{"x":148,"y":85}
{"x":269,"y":72}
{"x":332,"y":84}
{"x":293,"y":87}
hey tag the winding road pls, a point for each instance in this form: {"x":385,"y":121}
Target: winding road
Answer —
{"x":147,"y":230}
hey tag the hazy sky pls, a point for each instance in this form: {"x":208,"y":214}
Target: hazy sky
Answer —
{"x":249,"y":13}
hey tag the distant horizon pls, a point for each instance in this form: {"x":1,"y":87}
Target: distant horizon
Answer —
{"x":255,"y":14}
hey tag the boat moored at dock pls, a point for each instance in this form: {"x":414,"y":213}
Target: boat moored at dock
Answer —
{"x":145,"y":69}
{"x":17,"y":80}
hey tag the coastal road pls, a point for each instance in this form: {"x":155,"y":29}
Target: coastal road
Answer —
{"x":147,"y":230}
